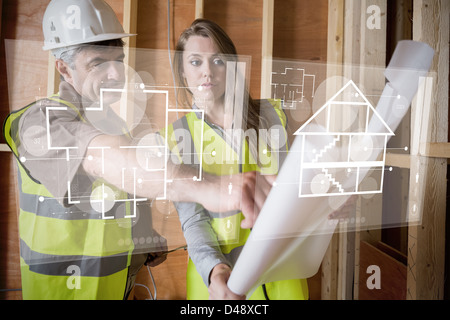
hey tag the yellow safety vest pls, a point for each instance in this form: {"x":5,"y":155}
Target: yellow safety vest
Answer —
{"x":203,"y":135}
{"x":64,"y":255}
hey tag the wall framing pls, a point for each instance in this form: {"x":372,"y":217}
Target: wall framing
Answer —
{"x":345,"y":43}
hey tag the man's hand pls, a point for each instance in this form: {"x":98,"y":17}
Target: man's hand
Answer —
{"x":254,"y":194}
{"x":246,"y":192}
{"x":218,"y":289}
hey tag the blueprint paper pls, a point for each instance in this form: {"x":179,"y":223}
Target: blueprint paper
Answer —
{"x":292,"y":233}
{"x":410,"y":61}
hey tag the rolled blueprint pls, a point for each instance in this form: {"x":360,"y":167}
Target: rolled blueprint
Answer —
{"x":292,"y":233}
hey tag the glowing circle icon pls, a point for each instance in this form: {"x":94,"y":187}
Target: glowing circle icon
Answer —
{"x":320,"y":184}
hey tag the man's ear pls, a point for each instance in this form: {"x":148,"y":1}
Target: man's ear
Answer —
{"x":64,"y":70}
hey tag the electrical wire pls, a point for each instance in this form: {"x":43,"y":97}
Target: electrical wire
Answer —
{"x":148,"y":290}
{"x":153,"y":281}
{"x":173,"y":250}
{"x":152,"y":297}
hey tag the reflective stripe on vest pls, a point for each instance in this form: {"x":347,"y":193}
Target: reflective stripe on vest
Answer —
{"x":89,"y":266}
{"x":55,"y":239}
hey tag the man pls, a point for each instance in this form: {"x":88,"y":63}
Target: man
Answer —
{"x":82,"y":218}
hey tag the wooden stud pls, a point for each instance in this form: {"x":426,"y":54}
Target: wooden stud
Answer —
{"x":53,"y":76}
{"x":267,"y":48}
{"x":398,"y":160}
{"x":372,"y":53}
{"x":1,"y":7}
{"x":396,"y":182}
{"x":364,"y":48}
{"x":351,"y":45}
{"x":335,"y":34}
{"x":432,"y":150}
{"x":373,"y":46}
{"x":3,"y":147}
{"x":199,"y":9}
{"x":335,"y":59}
{"x":53,"y":79}
{"x":130,"y":11}
{"x":426,"y":241}
{"x":350,"y":70}
{"x":436,"y":149}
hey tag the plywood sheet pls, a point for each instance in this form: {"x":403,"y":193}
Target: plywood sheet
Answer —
{"x":392,"y":275}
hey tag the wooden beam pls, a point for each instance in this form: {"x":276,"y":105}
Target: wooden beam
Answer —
{"x":54,"y":77}
{"x":350,"y":70}
{"x":373,"y":45}
{"x":353,"y":48}
{"x":130,"y":11}
{"x":267,"y":48}
{"x":199,"y":9}
{"x":335,"y":51}
{"x":426,"y":240}
{"x":436,"y":150}
{"x":335,"y":42}
{"x":398,"y":160}
{"x":4,"y":148}
{"x":1,"y":7}
{"x":432,"y":150}
{"x":372,"y":59}
{"x":364,"y":56}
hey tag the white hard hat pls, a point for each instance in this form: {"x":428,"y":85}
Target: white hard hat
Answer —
{"x":73,"y":22}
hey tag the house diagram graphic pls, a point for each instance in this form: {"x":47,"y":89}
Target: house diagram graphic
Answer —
{"x":344,"y":147}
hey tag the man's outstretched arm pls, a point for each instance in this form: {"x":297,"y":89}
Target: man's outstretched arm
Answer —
{"x":112,"y":158}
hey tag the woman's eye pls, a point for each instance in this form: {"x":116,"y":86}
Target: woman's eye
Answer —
{"x":195,"y":63}
{"x":218,"y":62}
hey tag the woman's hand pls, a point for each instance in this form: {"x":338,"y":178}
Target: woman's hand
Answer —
{"x":218,"y":289}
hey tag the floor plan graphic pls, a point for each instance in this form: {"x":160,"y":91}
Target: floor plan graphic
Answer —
{"x":292,"y":85}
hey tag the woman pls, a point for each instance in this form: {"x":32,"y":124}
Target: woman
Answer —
{"x":224,"y":142}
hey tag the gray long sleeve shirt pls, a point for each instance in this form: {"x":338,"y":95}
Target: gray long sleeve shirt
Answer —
{"x":203,"y":246}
